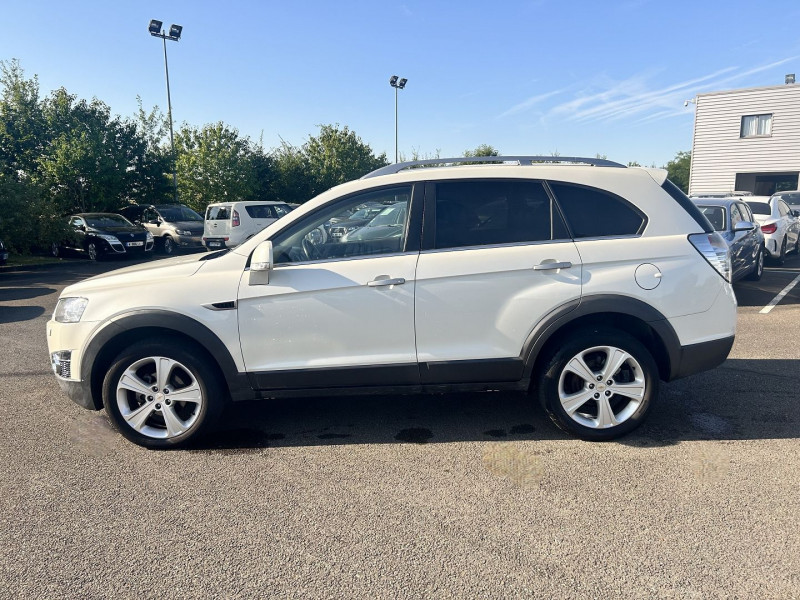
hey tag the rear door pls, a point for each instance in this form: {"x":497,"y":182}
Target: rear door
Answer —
{"x":259,"y":216}
{"x":496,"y":259}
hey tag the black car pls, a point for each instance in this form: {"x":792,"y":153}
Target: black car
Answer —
{"x":98,"y":235}
{"x":734,"y":221}
{"x":3,"y":253}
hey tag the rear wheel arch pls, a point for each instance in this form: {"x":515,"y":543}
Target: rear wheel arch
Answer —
{"x":628,"y":315}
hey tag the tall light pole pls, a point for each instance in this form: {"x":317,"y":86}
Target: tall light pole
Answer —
{"x":397,"y":84}
{"x":174,"y":35}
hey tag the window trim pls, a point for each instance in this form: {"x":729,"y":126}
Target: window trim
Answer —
{"x":631,"y":205}
{"x":429,"y":220}
{"x":413,"y":220}
{"x":742,"y":135}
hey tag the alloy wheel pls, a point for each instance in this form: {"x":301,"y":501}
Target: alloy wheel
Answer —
{"x":159,"y":397}
{"x":601,"y":387}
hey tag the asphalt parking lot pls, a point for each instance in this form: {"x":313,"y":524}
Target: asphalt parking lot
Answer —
{"x":469,"y":496}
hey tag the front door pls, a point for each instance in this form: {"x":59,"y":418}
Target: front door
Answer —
{"x":334,"y":313}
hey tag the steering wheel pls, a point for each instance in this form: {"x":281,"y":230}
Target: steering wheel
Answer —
{"x":310,"y":250}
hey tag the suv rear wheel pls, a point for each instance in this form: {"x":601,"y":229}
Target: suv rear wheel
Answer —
{"x":599,"y":386}
{"x":159,"y":394}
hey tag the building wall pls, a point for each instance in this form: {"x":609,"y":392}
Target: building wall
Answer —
{"x":718,"y":151}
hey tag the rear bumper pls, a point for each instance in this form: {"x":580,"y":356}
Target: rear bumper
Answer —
{"x":217,"y":243}
{"x":697,"y":358}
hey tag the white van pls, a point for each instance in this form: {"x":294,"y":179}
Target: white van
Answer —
{"x":228,"y":224}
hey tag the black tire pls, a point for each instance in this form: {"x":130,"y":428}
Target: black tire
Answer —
{"x":782,"y":256}
{"x":758,"y":271}
{"x":637,"y":371}
{"x":168,"y":246}
{"x":190,"y":372}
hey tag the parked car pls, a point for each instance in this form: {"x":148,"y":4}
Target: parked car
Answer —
{"x":100,"y":235}
{"x":779,"y":224}
{"x":343,"y":224}
{"x":173,"y":226}
{"x":792,"y":198}
{"x":585,"y":284}
{"x":732,"y":218}
{"x":3,"y":253}
{"x":387,"y":224}
{"x":228,"y":224}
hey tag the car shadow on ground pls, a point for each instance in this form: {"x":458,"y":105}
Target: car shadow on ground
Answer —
{"x":728,"y":403}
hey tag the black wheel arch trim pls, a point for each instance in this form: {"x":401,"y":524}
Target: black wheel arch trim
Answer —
{"x":170,"y":323}
{"x":607,"y":304}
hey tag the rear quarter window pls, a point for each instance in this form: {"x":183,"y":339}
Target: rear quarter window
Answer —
{"x":591,"y":212}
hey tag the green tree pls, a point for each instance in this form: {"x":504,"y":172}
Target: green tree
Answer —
{"x":337,"y":155}
{"x":678,"y":170}
{"x":22,"y":129}
{"x":214,"y":165}
{"x":482,"y":150}
{"x":334,"y":156}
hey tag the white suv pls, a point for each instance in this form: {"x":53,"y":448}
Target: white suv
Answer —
{"x":586,"y":284}
{"x":228,"y":224}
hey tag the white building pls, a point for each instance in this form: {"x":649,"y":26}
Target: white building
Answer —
{"x":747,"y":140}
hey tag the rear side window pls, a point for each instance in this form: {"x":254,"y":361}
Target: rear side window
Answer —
{"x":760,"y":208}
{"x":595,"y":213}
{"x":218,"y":213}
{"x":478,"y":213}
{"x":260,"y":211}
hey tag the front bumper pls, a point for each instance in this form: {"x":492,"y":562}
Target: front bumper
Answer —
{"x":189,"y":241}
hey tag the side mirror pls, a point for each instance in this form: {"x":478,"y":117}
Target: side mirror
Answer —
{"x":261,"y":263}
{"x":744,"y":226}
{"x":796,"y":213}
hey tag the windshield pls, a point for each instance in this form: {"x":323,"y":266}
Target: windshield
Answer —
{"x":390,"y":216}
{"x":716,"y":215}
{"x":760,"y":208}
{"x":101,"y":221}
{"x":172,"y":214}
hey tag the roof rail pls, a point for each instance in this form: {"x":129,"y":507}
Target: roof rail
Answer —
{"x":520,"y":160}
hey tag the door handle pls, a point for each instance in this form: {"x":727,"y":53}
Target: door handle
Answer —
{"x":548,"y":266}
{"x":385,"y":280}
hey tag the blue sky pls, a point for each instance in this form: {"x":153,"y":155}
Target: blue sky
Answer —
{"x":535,"y":77}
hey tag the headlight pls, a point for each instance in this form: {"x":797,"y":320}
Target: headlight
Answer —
{"x":70,"y":310}
{"x":109,"y":238}
{"x":149,"y":237}
{"x":183,"y":232}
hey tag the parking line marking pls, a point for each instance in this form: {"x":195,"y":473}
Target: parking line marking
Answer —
{"x":779,"y":297}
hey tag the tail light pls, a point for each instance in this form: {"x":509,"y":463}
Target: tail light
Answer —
{"x":235,"y":219}
{"x":714,"y":249}
{"x":769,"y":228}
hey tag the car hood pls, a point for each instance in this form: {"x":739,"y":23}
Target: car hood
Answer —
{"x":169,"y":268}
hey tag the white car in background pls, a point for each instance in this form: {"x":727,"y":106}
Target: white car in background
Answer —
{"x":228,"y":224}
{"x":779,"y":224}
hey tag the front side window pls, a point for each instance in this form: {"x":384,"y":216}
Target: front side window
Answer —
{"x":591,"y":212}
{"x":319,"y":236}
{"x":478,"y":213}
{"x":755,"y":125}
{"x":736,"y":216}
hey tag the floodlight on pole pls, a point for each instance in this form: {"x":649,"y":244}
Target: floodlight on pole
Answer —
{"x":397,"y":84}
{"x":174,"y":35}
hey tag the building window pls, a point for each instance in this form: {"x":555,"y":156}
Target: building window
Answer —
{"x":754,"y":125}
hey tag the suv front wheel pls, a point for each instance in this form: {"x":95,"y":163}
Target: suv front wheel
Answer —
{"x":599,"y":386}
{"x":159,"y":394}
{"x":169,"y":245}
